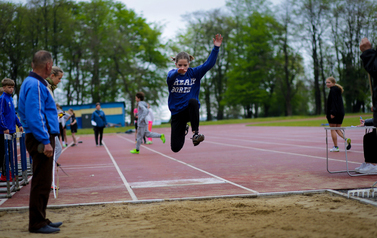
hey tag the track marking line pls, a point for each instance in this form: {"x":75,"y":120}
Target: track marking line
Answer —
{"x":193,"y":167}
{"x":126,"y":184}
{"x":2,"y":201}
{"x":273,"y":143}
{"x":279,"y":152}
{"x":318,"y":138}
{"x":177,"y":182}
{"x":98,"y":167}
{"x":85,"y":165}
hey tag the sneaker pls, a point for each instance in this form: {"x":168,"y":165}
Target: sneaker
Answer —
{"x":186,"y":130}
{"x":56,"y":188}
{"x":362,"y":166}
{"x":3,"y":178}
{"x":197,"y":138}
{"x":149,"y":142}
{"x":368,"y":169}
{"x":134,"y":151}
{"x":334,"y":149}
{"x":73,"y":145}
{"x":348,"y":143}
{"x":64,"y":145}
{"x":162,"y":137}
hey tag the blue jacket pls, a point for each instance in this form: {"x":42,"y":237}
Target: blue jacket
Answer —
{"x":184,"y":87}
{"x":99,"y":117}
{"x":37,"y":109}
{"x":8,"y":117}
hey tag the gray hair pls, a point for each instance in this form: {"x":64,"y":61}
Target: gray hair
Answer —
{"x":41,"y":58}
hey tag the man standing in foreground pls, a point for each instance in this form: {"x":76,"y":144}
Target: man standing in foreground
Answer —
{"x":39,"y":117}
{"x":369,"y":58}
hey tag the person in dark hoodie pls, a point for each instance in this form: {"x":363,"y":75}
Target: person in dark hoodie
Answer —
{"x":142,"y":124}
{"x":335,"y":112}
{"x":99,"y":123}
{"x":369,"y":58}
{"x":183,"y":102}
{"x":8,"y":120}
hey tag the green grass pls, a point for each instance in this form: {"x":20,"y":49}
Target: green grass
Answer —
{"x":310,"y":121}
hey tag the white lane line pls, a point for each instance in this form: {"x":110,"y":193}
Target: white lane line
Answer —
{"x":191,"y":166}
{"x":279,"y":152}
{"x":97,"y":167}
{"x":129,"y":189}
{"x":85,"y":165}
{"x":313,"y":138}
{"x":274,"y":143}
{"x":2,"y":201}
{"x":175,"y":182}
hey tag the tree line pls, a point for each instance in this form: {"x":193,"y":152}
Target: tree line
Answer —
{"x":273,"y":61}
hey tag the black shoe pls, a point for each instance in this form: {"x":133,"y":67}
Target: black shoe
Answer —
{"x":46,"y":230}
{"x":186,"y":130}
{"x":73,"y":145}
{"x":197,"y":138}
{"x":348,"y":143}
{"x":56,"y":224}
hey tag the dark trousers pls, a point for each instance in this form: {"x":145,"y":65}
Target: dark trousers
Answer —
{"x":369,"y":146}
{"x":98,"y":131}
{"x":40,"y":183}
{"x":179,"y":121}
{"x":61,"y":130}
{"x":2,"y":153}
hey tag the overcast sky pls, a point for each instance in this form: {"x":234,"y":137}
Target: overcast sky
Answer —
{"x":168,"y":12}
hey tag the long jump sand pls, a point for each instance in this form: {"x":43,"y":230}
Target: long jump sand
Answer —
{"x":311,"y":215}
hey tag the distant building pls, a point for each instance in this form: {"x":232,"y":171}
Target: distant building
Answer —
{"x":114,"y":111}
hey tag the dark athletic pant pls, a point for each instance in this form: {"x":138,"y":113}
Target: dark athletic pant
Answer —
{"x":61,"y":130}
{"x":40,"y":183}
{"x":2,"y":153}
{"x":179,"y":121}
{"x":98,"y":131}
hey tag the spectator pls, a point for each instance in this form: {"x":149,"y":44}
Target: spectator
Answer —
{"x":98,"y":122}
{"x":39,"y":118}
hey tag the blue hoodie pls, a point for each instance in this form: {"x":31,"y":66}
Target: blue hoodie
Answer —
{"x":8,"y":117}
{"x":99,"y":117}
{"x":184,"y":87}
{"x":37,"y":109}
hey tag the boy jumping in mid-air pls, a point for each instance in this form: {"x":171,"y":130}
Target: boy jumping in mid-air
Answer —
{"x":183,"y":102}
{"x":142,"y":126}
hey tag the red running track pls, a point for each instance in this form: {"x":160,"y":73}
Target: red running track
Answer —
{"x":233,"y":159}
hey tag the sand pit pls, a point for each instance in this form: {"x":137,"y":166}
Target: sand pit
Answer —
{"x":312,"y":215}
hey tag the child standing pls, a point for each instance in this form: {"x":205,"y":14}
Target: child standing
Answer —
{"x":142,"y":127}
{"x":8,"y":120}
{"x":73,"y":125}
{"x":183,"y":102}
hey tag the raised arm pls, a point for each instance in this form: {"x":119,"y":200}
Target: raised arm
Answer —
{"x":210,"y":62}
{"x":218,"y":40}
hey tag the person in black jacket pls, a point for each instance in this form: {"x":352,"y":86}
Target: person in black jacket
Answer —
{"x":369,"y":58}
{"x":335,"y":112}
